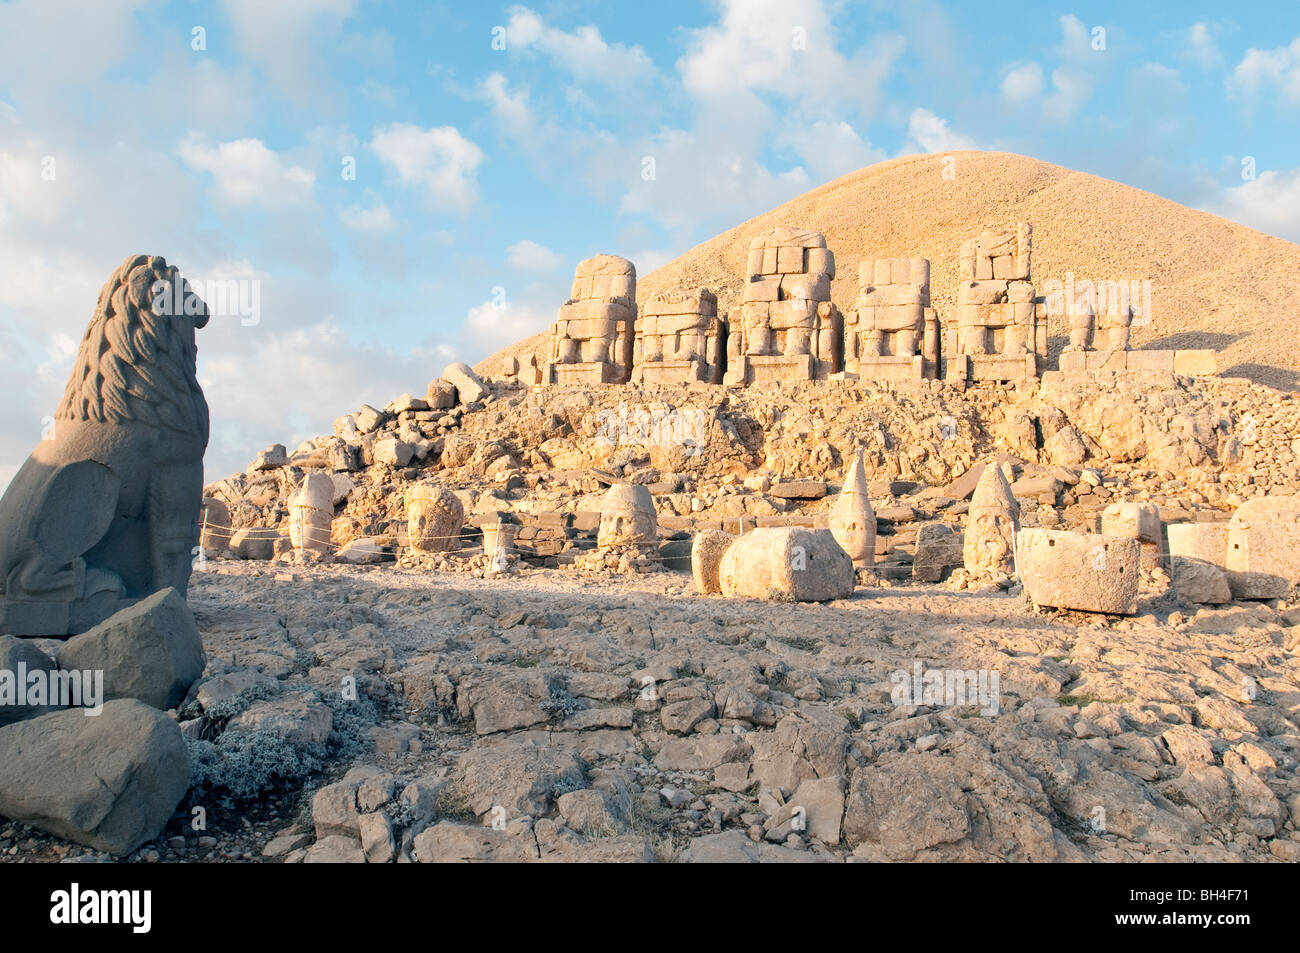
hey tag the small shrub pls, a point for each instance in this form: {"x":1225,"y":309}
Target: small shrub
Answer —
{"x":245,"y":763}
{"x":352,"y":723}
{"x":561,"y":704}
{"x":565,"y":785}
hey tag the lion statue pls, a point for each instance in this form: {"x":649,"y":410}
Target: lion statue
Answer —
{"x":105,"y":510}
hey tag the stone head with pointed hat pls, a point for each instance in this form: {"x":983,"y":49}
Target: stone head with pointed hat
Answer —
{"x":851,"y":519}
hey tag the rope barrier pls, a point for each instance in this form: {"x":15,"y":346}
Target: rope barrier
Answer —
{"x":519,"y":549}
{"x":317,"y":539}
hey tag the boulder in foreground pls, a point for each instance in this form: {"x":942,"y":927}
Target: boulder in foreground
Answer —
{"x":109,"y":781}
{"x":151,"y":651}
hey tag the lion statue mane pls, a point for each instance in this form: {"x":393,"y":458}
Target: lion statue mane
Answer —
{"x":105,"y":510}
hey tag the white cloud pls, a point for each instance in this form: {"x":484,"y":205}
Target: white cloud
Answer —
{"x":1270,"y":203}
{"x":1072,"y":81}
{"x":439,"y":159}
{"x":1201,"y":48}
{"x":527,"y":255}
{"x":766,"y":80}
{"x":831,"y":149}
{"x":1263,"y":71}
{"x":1023,"y":82}
{"x":512,"y":111}
{"x":248,"y":173}
{"x":91,"y":37}
{"x":376,"y":218}
{"x":489,"y":327}
{"x":584,"y":53}
{"x":932,"y":134}
{"x":703,"y":182}
{"x":284,"y":38}
{"x":786,"y":49}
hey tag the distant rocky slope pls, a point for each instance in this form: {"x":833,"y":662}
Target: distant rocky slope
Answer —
{"x":772,"y":453}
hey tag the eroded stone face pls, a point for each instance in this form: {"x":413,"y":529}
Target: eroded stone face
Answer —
{"x":434,"y":516}
{"x":627,"y":517}
{"x":991,"y":524}
{"x":311,"y":512}
{"x":851,"y":519}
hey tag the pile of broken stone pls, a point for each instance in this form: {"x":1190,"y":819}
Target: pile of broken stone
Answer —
{"x":1186,"y":456}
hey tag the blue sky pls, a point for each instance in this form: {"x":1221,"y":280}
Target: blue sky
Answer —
{"x":494,"y":147}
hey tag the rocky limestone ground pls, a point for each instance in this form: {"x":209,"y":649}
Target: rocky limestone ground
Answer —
{"x":558,"y":715}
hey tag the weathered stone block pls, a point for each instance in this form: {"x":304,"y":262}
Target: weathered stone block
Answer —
{"x":789,"y":260}
{"x":1152,"y":360}
{"x":787,"y":565}
{"x":1088,"y":572}
{"x":938,"y":552}
{"x":1140,"y":521}
{"x":1073,"y":362}
{"x":469,"y":387}
{"x":151,"y":651}
{"x":1263,"y":548}
{"x":1195,"y":362}
{"x":820,"y":261}
{"x":110,"y":782}
{"x":707,"y":550}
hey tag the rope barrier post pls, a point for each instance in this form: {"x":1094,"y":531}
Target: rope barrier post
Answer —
{"x":203,"y":531}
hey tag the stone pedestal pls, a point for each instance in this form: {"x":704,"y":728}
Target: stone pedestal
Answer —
{"x":890,"y":368}
{"x":675,"y":372}
{"x":990,"y":367}
{"x":1187,"y":362}
{"x":762,"y":368}
{"x":588,"y":372}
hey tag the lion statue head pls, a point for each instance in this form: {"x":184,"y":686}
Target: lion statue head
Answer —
{"x":137,"y":358}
